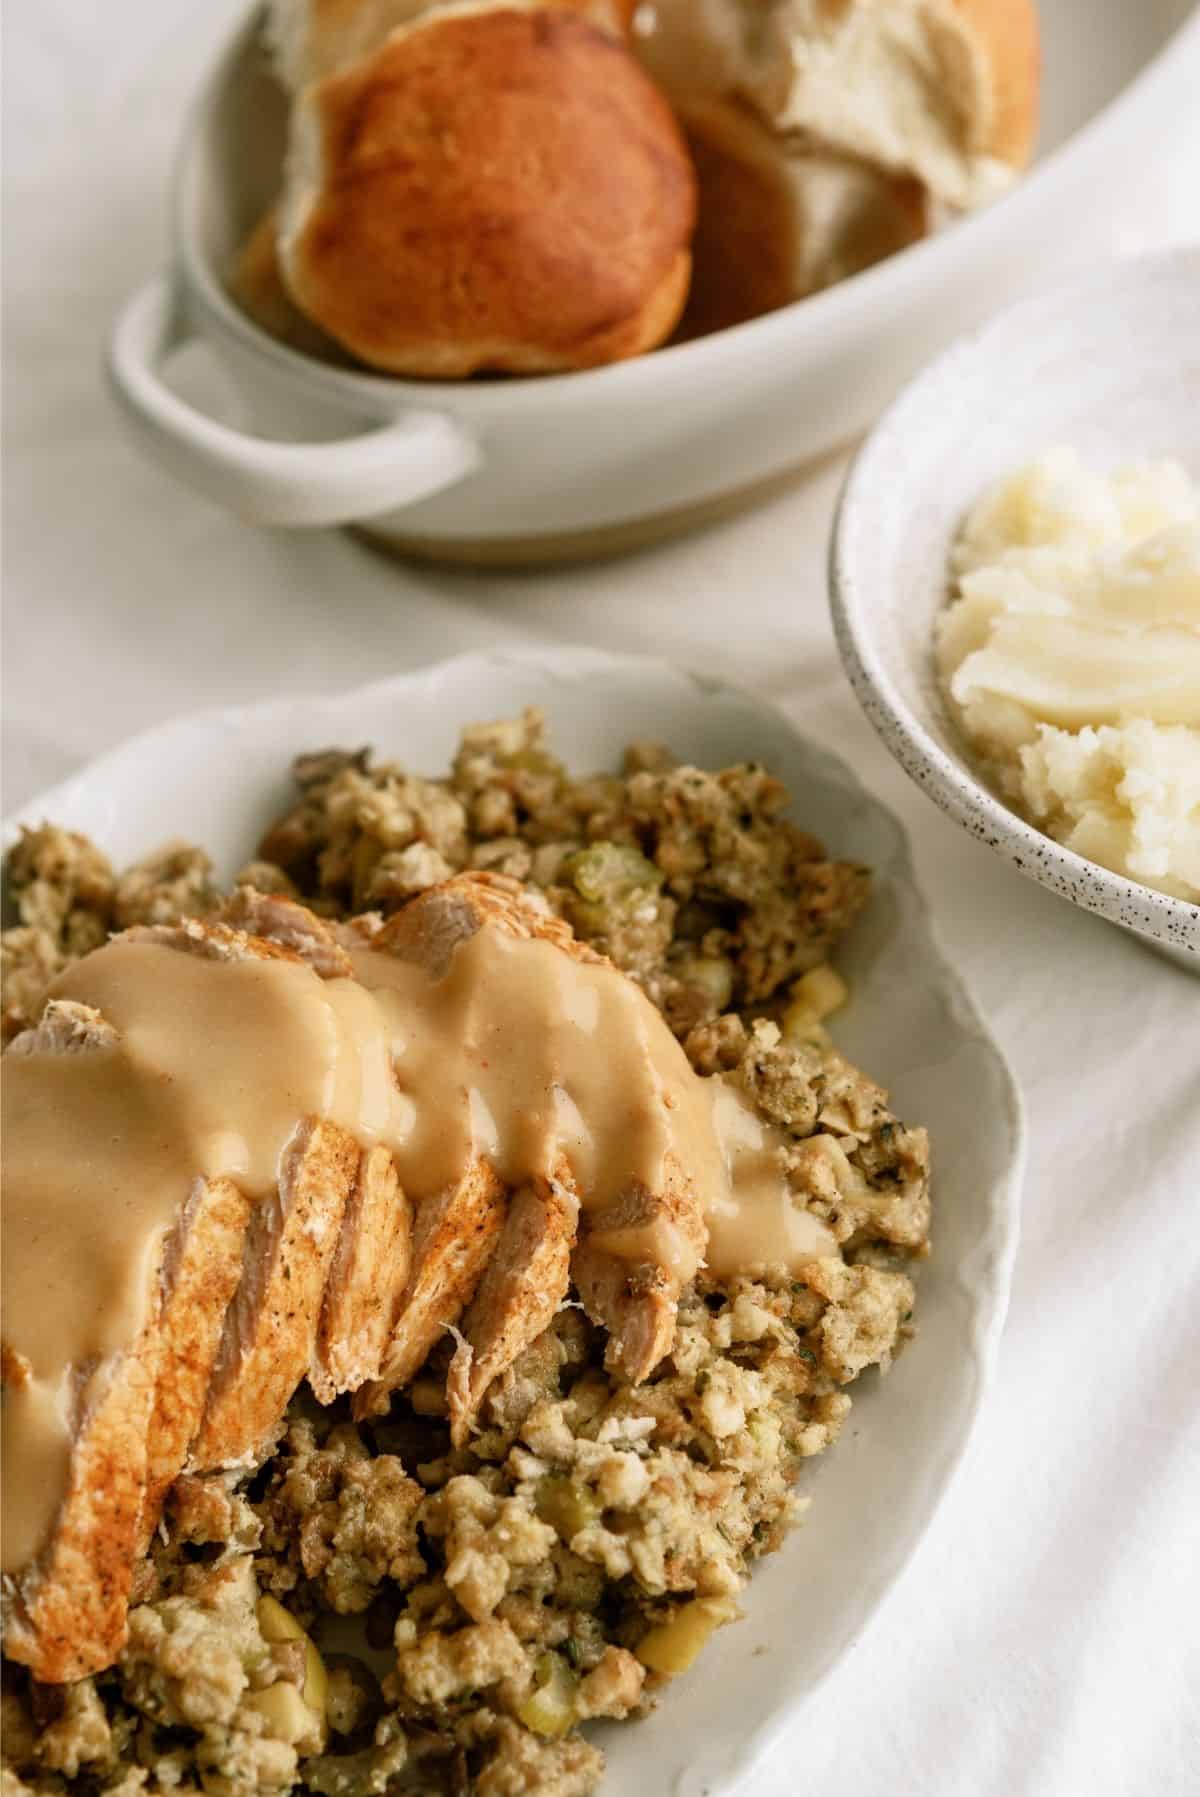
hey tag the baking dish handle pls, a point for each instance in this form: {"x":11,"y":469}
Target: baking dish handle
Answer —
{"x":264,"y":482}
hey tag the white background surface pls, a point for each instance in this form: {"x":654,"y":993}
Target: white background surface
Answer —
{"x":1046,"y":1639}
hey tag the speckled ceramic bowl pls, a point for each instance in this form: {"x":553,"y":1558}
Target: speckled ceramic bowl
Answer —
{"x":1109,"y":364}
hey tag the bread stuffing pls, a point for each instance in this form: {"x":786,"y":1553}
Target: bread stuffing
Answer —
{"x":451,"y":1240}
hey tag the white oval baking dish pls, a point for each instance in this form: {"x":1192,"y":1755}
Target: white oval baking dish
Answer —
{"x":578,"y":463}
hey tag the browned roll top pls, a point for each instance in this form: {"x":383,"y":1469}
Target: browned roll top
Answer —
{"x":499,"y":189}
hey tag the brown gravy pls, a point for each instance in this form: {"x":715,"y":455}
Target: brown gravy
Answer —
{"x":518,"y":1053}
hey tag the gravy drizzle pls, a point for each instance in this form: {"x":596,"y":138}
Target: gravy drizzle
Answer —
{"x":517,"y":1053}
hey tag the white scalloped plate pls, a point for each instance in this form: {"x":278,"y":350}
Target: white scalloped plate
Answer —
{"x":218,"y":777}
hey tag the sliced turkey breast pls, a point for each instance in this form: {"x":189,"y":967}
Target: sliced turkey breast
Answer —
{"x":632,"y":1294}
{"x":132,"y":1417}
{"x":367,"y":1280}
{"x":453,"y":1238}
{"x":523,"y":1285}
{"x":334,"y":1272}
{"x":270,"y":1330}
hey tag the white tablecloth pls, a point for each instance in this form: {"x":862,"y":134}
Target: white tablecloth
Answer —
{"x":1046,"y":1638}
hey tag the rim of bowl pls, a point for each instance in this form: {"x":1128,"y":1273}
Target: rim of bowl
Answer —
{"x":963,"y":794}
{"x":676,"y":364}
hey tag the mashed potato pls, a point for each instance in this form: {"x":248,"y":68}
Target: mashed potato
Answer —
{"x":1070,"y":655}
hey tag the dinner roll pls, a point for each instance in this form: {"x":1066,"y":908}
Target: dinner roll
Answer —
{"x":496,"y":187}
{"x":943,"y":90}
{"x":256,"y":283}
{"x":777,"y":223}
{"x":310,"y":39}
